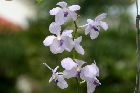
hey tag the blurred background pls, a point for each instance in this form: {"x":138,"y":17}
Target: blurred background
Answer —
{"x":24,"y":25}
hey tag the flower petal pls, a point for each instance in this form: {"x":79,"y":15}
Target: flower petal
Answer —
{"x":54,"y":71}
{"x":61,"y":82}
{"x":49,"y":40}
{"x":51,"y":79}
{"x":62,"y":4}
{"x":79,"y":62}
{"x":104,"y":25}
{"x":94,"y":34}
{"x":68,"y":63}
{"x":59,"y":18}
{"x":89,"y":72}
{"x":54,"y":11}
{"x":79,"y":49}
{"x":87,"y":30}
{"x":67,"y":33}
{"x":90,"y":87}
{"x":55,"y":47}
{"x":73,"y":15}
{"x":68,"y":43}
{"x":101,"y":17}
{"x":89,"y":20}
{"x":97,"y":69}
{"x":55,"y":28}
{"x":70,"y":73}
{"x":74,"y":7}
{"x":78,"y":40}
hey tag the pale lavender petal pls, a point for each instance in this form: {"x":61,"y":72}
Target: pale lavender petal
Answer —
{"x":70,"y":73}
{"x":104,"y":25}
{"x":49,"y":40}
{"x":78,"y":40}
{"x":55,"y":28}
{"x":59,"y":18}
{"x":87,"y":30}
{"x":89,"y":20}
{"x":62,"y":4}
{"x":54,"y":11}
{"x":94,"y":34}
{"x":61,"y":82}
{"x":97,"y":69}
{"x":79,"y":49}
{"x":90,"y":87}
{"x":73,"y":15}
{"x":89,"y":72}
{"x":74,"y":7}
{"x":77,"y":46}
{"x":68,"y":43}
{"x":79,"y":62}
{"x":55,"y":47}
{"x":101,"y":17}
{"x":67,"y":33}
{"x":68,"y":63}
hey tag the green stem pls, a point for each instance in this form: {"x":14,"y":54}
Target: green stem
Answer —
{"x":74,"y":35}
{"x":78,"y":85}
{"x":137,"y":89}
{"x":76,"y":29}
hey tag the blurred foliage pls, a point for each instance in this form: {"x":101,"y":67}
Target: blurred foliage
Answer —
{"x":22,"y":53}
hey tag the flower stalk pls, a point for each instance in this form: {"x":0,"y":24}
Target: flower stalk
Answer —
{"x":76,"y":29}
{"x":78,"y":85}
{"x":137,"y":89}
{"x":74,"y":35}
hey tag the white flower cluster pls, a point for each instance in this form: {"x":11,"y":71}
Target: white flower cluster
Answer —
{"x":73,"y":68}
{"x":61,"y":40}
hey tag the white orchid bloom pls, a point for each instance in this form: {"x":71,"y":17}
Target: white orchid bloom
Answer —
{"x":72,"y":68}
{"x":64,"y":13}
{"x":60,"y":42}
{"x":77,"y":45}
{"x":93,"y":26}
{"x":89,"y":74}
{"x":57,"y":78}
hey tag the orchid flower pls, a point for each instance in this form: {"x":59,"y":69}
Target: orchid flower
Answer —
{"x":89,"y":74}
{"x":57,"y":77}
{"x":64,"y":12}
{"x":77,"y":45}
{"x":60,"y":42}
{"x":72,"y":67}
{"x":93,"y":26}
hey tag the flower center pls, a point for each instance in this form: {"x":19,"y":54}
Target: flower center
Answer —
{"x":55,"y":81}
{"x":61,"y":42}
{"x":96,"y":83}
{"x":78,"y":72}
{"x":58,"y":37}
{"x":66,"y":14}
{"x":95,"y":28}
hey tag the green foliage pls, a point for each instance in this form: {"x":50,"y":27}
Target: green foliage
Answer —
{"x":22,"y":53}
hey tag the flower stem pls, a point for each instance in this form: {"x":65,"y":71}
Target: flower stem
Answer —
{"x":76,"y":29}
{"x":74,"y":35}
{"x":78,"y":85}
{"x":137,"y":89}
